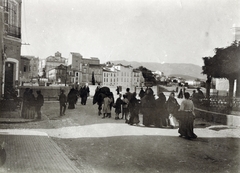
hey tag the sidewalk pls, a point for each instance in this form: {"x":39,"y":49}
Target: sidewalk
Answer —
{"x":31,"y":151}
{"x":34,"y":153}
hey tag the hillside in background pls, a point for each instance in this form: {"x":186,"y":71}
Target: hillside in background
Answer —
{"x":188,"y":71}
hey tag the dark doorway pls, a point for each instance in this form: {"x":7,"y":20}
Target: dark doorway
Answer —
{"x":8,"y":88}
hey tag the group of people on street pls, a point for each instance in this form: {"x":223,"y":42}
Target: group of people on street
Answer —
{"x":72,"y":97}
{"x":31,"y":105}
{"x":160,"y":112}
{"x":75,"y":93}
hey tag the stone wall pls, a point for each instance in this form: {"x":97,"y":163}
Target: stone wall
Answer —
{"x":48,"y":92}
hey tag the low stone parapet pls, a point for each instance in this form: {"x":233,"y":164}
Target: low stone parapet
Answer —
{"x":218,"y":118}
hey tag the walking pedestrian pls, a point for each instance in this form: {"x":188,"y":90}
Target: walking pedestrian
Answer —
{"x":134,"y":110}
{"x":118,"y":90}
{"x":172,"y":108}
{"x":39,"y":104}
{"x":125,"y":108}
{"x":118,"y":106}
{"x":141,"y":93}
{"x":63,"y":102}
{"x":186,"y":118}
{"x":106,"y":106}
{"x":84,"y":93}
{"x":161,"y":115}
{"x":128,"y":94}
{"x":180,"y":95}
{"x":71,"y":98}
{"x":111,"y":104}
{"x":148,"y":107}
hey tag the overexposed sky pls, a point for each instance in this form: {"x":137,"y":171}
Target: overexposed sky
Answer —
{"x":170,"y":31}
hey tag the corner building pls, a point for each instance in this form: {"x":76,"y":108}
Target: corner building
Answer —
{"x":10,"y":44}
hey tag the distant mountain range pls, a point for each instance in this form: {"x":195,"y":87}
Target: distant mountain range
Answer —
{"x":186,"y":71}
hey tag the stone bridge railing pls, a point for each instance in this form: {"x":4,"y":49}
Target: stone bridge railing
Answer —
{"x":220,"y":104}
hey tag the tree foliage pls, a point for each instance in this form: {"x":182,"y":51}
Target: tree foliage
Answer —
{"x":147,"y":74}
{"x":224,"y":64}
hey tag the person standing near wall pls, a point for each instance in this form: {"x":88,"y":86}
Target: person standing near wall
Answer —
{"x":24,"y":105}
{"x":39,"y":104}
{"x":31,"y":104}
{"x":63,"y":102}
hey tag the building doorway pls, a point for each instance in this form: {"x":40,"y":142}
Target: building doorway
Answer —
{"x":9,"y":83}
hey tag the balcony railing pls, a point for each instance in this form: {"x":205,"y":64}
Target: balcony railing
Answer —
{"x":14,"y":31}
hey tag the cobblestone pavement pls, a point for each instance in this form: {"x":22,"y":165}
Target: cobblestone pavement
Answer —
{"x":27,"y":153}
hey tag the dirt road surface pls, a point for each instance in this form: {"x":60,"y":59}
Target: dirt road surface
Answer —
{"x":108,"y":145}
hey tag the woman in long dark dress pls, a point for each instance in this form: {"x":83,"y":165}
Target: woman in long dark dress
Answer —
{"x":84,"y":93}
{"x":118,"y":106}
{"x":24,"y":106}
{"x":172,"y":108}
{"x":161,"y":115}
{"x":71,"y":98}
{"x":31,"y":104}
{"x":186,"y":118}
{"x":148,"y":107}
{"x":134,"y":110}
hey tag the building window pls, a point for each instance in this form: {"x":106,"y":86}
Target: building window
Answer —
{"x":12,"y":8}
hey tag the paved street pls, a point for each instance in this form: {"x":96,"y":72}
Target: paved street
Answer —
{"x":82,"y":131}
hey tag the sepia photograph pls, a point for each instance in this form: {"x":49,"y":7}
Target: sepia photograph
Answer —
{"x":119,"y":86}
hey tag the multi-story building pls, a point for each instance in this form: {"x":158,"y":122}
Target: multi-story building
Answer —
{"x":96,"y":71}
{"x":137,"y":78}
{"x":110,"y":77}
{"x":53,"y":61}
{"x":34,"y":66}
{"x":10,"y":44}
{"x":86,"y":67}
{"x":75,"y":75}
{"x":124,"y":76}
{"x":59,"y":75}
{"x":41,"y":67}
{"x":24,"y":70}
